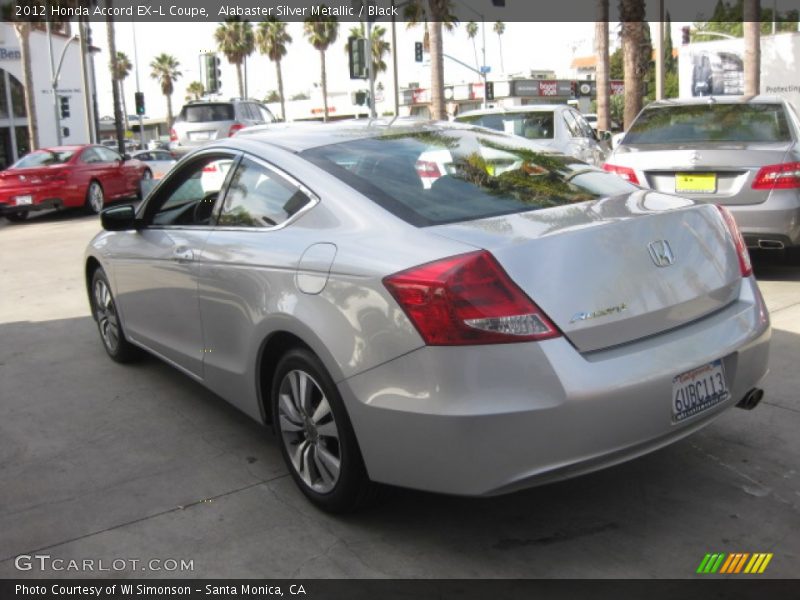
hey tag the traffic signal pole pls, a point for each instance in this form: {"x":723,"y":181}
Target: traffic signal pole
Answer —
{"x":136,"y":68}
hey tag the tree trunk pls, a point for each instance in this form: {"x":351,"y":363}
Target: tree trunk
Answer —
{"x":752,"y":47}
{"x":601,"y":70}
{"x":632,"y":15}
{"x":438,"y":112}
{"x":124,"y":104}
{"x":475,"y":54}
{"x":324,"y":82}
{"x":239,"y":79}
{"x":500,"y":42}
{"x":169,"y":110}
{"x":112,"y":51}
{"x":280,"y":89}
{"x":23,"y":33}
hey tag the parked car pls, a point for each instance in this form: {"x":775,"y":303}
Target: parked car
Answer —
{"x":68,"y":176}
{"x":159,"y":161}
{"x":476,"y":337}
{"x":555,"y":127}
{"x":741,"y":152}
{"x":205,"y":121}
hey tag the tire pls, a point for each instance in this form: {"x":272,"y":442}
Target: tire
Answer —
{"x":316,"y":436}
{"x":95,"y":197}
{"x":17,"y":217}
{"x":105,"y":314}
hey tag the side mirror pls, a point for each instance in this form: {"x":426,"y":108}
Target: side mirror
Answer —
{"x":118,"y":218}
{"x":605,"y":136}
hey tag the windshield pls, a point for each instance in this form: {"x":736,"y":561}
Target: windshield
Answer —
{"x":203,"y":113}
{"x":531,"y":125}
{"x":430,"y":177}
{"x":710,"y":123}
{"x":43,"y":158}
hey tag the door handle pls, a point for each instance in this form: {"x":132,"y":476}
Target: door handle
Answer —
{"x":182,"y":254}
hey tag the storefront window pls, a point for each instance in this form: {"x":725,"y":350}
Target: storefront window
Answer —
{"x":18,"y":98}
{"x":23,"y":141}
{"x":3,"y":100}
{"x":6,"y":152}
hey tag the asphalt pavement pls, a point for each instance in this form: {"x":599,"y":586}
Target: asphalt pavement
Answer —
{"x":100,"y":461}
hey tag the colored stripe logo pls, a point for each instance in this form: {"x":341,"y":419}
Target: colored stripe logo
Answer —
{"x":734,"y":563}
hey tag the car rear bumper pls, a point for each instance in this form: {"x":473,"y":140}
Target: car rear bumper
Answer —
{"x":486,"y":420}
{"x":778,"y":218}
{"x":42,"y":198}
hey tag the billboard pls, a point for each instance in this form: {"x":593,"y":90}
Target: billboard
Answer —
{"x":717,"y":68}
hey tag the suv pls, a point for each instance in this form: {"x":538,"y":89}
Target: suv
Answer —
{"x":201,"y":122}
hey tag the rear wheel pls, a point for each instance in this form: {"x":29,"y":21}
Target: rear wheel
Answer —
{"x":17,"y":217}
{"x":316,"y":436}
{"x":95,"y":198}
{"x":105,"y":314}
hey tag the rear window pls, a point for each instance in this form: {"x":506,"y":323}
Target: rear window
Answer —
{"x":451,"y":175}
{"x":710,"y":123}
{"x":203,"y":113}
{"x":531,"y":125}
{"x":43,"y":158}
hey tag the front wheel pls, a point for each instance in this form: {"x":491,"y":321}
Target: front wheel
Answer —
{"x":95,"y":198}
{"x":104,"y":309}
{"x":316,"y":436}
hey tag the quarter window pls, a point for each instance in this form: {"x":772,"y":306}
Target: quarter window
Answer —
{"x":259,"y":197}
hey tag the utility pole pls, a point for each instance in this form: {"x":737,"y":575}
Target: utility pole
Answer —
{"x":87,"y":101}
{"x":372,"y":112}
{"x":394,"y":64}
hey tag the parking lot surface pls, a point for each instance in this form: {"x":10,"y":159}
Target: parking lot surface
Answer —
{"x":104,"y":461}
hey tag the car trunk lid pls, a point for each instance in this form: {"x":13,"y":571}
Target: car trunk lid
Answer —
{"x":592,"y":267}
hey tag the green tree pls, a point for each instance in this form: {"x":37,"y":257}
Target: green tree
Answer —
{"x":195,"y":90}
{"x":235,"y":40}
{"x":321,"y":32}
{"x":728,"y":19}
{"x":272,"y":96}
{"x":272,"y":39}
{"x":164,"y":69}
{"x":120,"y":70}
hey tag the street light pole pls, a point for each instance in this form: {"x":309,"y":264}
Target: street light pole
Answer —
{"x":136,"y":68}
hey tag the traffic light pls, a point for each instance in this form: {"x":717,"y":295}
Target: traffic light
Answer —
{"x":64,"y":102}
{"x":139,"y":97}
{"x":357,"y":52}
{"x":490,"y":90}
{"x":685,"y":35}
{"x":213,"y":74}
{"x":418,"y":51}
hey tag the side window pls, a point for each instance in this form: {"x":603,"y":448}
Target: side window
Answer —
{"x":246,"y":112}
{"x":259,"y":197}
{"x":572,"y":124}
{"x":586,"y":129}
{"x":191,"y":195}
{"x":161,"y":156}
{"x":90,"y":156}
{"x":144,"y":156}
{"x":266,"y":114}
{"x":107,"y":155}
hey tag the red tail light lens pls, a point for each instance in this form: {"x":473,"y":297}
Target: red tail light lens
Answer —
{"x":173,"y":137}
{"x":234,"y":128}
{"x":468,"y":299}
{"x":778,"y":177}
{"x":426,"y":168}
{"x":212,"y":168}
{"x":625,"y":172}
{"x":745,"y":266}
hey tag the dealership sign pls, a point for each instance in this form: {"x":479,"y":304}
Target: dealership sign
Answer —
{"x":10,"y":54}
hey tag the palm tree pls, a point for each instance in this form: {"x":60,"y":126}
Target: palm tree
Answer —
{"x":112,"y":65}
{"x":437,"y":16}
{"x":380,"y":47}
{"x":751,"y":16}
{"x":500,"y":28}
{"x":632,"y":15}
{"x":272,"y":39}
{"x":195,"y":90}
{"x":23,"y":31}
{"x":321,"y":33}
{"x":164,"y":68}
{"x":120,"y":70}
{"x":601,"y":70}
{"x":235,"y":40}
{"x":472,"y":32}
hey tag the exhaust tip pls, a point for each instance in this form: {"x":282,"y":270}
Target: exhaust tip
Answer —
{"x":770,"y":245}
{"x":751,"y":399}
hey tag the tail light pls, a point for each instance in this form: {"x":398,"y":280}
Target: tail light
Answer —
{"x":745,"y":266}
{"x":234,"y":128}
{"x":625,"y":172}
{"x":426,"y":168}
{"x":173,"y":137}
{"x":778,"y":177}
{"x":468,"y":299}
{"x":210,"y":168}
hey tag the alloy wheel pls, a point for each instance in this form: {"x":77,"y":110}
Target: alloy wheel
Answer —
{"x":106,"y":315}
{"x":309,"y":431}
{"x":96,"y":199}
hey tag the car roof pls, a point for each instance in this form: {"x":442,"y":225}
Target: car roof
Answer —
{"x":70,"y":148}
{"x":297,"y":137}
{"x":499,"y":110}
{"x":759,"y":99}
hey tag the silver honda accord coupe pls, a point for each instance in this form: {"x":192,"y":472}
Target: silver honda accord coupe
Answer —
{"x":522,"y":318}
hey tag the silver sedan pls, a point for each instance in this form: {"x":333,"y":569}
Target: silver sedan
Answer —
{"x":520,"y":318}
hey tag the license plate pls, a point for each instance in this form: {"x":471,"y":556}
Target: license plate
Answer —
{"x":698,"y":390}
{"x":23,"y":200}
{"x":198,"y":136}
{"x":695,"y":183}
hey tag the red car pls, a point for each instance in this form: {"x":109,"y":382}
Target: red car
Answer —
{"x":66,"y":177}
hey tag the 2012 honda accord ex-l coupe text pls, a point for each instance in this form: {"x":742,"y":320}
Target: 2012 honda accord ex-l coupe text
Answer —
{"x":434,"y":306}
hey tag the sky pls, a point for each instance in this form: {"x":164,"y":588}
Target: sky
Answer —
{"x":526,"y":46}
